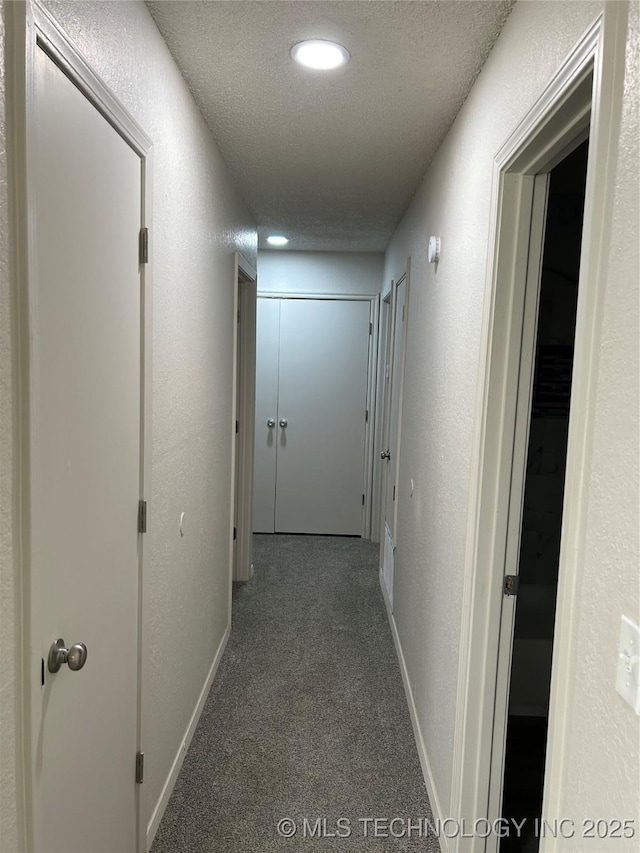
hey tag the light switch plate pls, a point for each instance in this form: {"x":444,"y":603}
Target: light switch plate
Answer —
{"x":628,"y":672}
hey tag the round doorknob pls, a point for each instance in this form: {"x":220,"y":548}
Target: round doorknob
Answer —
{"x":75,"y":657}
{"x":284,"y":423}
{"x":271,"y":423}
{"x":385,"y":455}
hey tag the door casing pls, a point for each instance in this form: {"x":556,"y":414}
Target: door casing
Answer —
{"x":389,"y":469}
{"x":384,"y":336}
{"x":244,"y":384}
{"x":30,"y":27}
{"x":580,"y":100}
{"x":393,"y":431}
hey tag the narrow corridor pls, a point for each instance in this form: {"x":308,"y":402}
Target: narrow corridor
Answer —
{"x":307,"y":717}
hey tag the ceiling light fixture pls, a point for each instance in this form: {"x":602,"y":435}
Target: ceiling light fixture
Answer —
{"x":277,"y":240}
{"x":320,"y":54}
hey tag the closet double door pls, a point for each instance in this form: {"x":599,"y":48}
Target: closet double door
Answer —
{"x":312,"y":359}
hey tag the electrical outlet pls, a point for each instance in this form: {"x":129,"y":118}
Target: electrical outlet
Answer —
{"x":628,"y":672}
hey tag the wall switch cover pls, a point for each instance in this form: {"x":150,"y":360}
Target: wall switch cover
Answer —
{"x":628,"y":672}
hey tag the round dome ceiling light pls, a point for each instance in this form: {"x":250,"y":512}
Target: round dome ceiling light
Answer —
{"x":320,"y":55}
{"x":277,"y":240}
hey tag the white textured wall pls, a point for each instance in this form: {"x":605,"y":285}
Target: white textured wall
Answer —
{"x":598,"y":779}
{"x":319,"y":272}
{"x":199,"y":220}
{"x":444,"y":327}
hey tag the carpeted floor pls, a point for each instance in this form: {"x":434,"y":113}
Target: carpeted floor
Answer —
{"x":307,"y":717}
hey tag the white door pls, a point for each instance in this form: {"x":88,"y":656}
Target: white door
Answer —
{"x":264,"y":462}
{"x":85,"y":471}
{"x":394,"y":374}
{"x":312,"y":375}
{"x":322,"y":402}
{"x":395,"y":400}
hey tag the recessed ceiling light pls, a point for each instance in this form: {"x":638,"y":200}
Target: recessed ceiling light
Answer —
{"x":277,"y":240}
{"x":320,"y":54}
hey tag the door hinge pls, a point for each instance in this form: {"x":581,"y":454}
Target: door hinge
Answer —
{"x":142,"y":517}
{"x":139,"y":768}
{"x":237,"y":427}
{"x":366,"y":416}
{"x":403,"y":307}
{"x":370,"y":328}
{"x":394,"y":493}
{"x":235,"y":533}
{"x":238,"y":315}
{"x":363,"y":500}
{"x":511,"y":584}
{"x":144,"y":245}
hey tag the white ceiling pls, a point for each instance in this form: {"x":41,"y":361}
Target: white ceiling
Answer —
{"x":330,"y":159}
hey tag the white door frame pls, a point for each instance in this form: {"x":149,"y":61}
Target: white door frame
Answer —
{"x":374,"y":301}
{"x":395,"y":451}
{"x":31,"y":27}
{"x":524,"y":314}
{"x":243,"y":418}
{"x":384,"y":338}
{"x":588,"y":85}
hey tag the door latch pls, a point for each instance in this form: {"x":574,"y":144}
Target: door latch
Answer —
{"x":511,"y":584}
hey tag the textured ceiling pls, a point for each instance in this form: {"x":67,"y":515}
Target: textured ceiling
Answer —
{"x":330,"y":159}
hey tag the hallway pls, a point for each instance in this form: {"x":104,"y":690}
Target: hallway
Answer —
{"x":307,"y":717}
{"x":169,"y":168}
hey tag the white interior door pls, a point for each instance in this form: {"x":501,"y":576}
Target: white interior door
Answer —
{"x":322,"y":400}
{"x":267,"y":359}
{"x":85,"y":471}
{"x":525,"y":313}
{"x":395,"y":397}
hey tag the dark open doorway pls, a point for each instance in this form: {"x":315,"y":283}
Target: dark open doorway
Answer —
{"x":543,"y":504}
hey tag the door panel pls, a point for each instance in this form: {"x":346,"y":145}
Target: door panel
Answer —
{"x":323,"y":397}
{"x":85,"y":471}
{"x":264,"y":482}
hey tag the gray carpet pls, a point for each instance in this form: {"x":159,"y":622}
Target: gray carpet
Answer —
{"x":307,"y":717}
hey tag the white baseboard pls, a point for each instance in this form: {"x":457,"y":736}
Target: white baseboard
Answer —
{"x":168,"y":786}
{"x":434,"y":800}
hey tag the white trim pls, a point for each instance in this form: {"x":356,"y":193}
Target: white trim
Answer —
{"x":384,"y":319}
{"x":370,"y":425}
{"x":372,"y":386}
{"x":30,"y":27}
{"x":19,"y":49}
{"x":427,"y":773}
{"x":54,"y":41}
{"x":395,"y":452}
{"x":557,"y":120}
{"x":244,"y":382}
{"x":176,"y":766}
{"x":273,"y":294}
{"x":388,"y":361}
{"x":609,"y":59}
{"x":248,"y":270}
{"x":145,"y":458}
